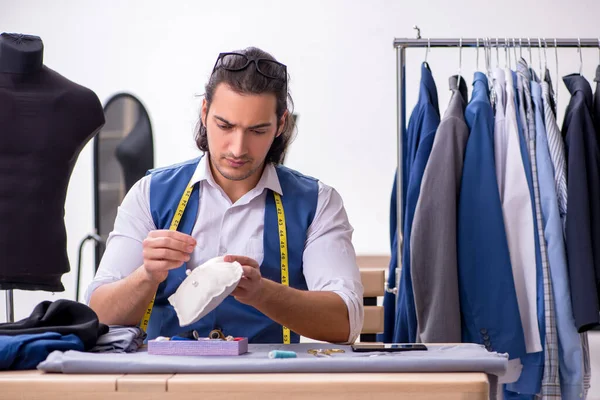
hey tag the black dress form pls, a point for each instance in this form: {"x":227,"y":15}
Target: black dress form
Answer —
{"x":45,"y":121}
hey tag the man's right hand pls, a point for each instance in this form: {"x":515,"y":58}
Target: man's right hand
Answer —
{"x":165,"y":250}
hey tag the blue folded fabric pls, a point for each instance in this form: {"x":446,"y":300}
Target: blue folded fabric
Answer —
{"x":27,"y":351}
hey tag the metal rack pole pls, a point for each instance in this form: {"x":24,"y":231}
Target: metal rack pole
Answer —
{"x":401,"y":44}
{"x":522,"y":42}
{"x":401,"y":124}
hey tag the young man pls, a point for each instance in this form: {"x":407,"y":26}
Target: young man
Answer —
{"x":239,"y":192}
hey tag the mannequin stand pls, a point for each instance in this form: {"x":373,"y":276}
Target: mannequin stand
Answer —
{"x":10,"y":310}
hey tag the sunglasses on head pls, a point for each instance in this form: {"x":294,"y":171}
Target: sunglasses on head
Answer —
{"x":238,"y":62}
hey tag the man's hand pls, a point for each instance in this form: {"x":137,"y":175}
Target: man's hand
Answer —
{"x":250,"y":286}
{"x":291,"y":307}
{"x":165,"y":250}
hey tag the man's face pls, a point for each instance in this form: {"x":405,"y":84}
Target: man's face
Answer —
{"x":240,"y":130}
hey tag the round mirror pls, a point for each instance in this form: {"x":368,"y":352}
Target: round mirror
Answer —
{"x":123,"y":153}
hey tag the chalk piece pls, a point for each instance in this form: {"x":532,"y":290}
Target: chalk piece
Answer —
{"x":282,"y":354}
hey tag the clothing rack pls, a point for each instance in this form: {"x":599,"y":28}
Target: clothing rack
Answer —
{"x":401,"y":44}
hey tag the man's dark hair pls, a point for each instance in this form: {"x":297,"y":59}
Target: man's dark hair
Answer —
{"x":251,"y":81}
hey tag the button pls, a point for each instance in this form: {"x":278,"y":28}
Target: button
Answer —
{"x":222,"y":250}
{"x":483,"y":331}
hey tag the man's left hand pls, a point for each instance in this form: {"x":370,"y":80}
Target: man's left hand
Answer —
{"x":250,"y":286}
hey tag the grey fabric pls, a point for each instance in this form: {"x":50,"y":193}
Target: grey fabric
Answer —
{"x":466,"y":357}
{"x":120,"y":339}
{"x":433,"y":245}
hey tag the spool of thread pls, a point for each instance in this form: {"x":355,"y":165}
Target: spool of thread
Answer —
{"x":282,"y":354}
{"x":216,"y":334}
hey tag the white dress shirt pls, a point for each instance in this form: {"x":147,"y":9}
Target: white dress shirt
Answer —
{"x":518,"y":222}
{"x":329,"y":259}
{"x":500,"y":139}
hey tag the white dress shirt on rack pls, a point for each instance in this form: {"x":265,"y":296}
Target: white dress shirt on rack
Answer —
{"x":329,"y":259}
{"x":500,"y":137}
{"x":518,"y":220}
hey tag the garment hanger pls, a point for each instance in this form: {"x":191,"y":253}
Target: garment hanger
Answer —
{"x":506,"y":54}
{"x":540,"y":58}
{"x":485,"y":54}
{"x":427,"y":49}
{"x":497,"y":55}
{"x":529,"y":49}
{"x":459,"y":62}
{"x":515,"y":51}
{"x":545,"y":58}
{"x":520,"y":49}
{"x":556,"y":91}
{"x":507,"y":43}
{"x":598,"y":51}
{"x":488,"y":53}
{"x":488,"y":68}
{"x":490,"y":73}
{"x":580,"y":55}
{"x":477,"y":57}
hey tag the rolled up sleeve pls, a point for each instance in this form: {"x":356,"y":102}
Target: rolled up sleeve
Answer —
{"x":329,"y":258}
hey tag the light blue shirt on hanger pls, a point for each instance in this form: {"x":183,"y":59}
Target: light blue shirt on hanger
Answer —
{"x":569,"y":342}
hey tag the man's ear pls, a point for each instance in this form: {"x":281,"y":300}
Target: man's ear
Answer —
{"x":281,"y":124}
{"x":204,"y":112}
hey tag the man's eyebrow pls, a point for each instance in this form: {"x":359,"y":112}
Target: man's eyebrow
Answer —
{"x":260,"y":126}
{"x":266,"y":124}
{"x":223,"y":120}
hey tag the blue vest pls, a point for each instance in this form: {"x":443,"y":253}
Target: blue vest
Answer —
{"x":232,"y":317}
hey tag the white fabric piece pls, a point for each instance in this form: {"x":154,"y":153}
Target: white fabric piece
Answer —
{"x":204,"y":289}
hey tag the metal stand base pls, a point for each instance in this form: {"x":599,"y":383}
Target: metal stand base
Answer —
{"x":10,"y":309}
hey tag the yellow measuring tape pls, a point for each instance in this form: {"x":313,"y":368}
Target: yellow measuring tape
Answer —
{"x":285,"y":278}
{"x":282,"y":245}
{"x":174,"y":224}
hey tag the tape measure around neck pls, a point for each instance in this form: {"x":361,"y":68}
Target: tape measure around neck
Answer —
{"x":282,"y":245}
{"x":183,"y":202}
{"x":285,"y":276}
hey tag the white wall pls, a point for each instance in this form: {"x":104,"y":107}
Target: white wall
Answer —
{"x":342,"y":66}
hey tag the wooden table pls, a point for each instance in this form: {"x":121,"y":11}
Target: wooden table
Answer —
{"x":26,"y":385}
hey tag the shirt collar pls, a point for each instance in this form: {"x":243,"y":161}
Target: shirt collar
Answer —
{"x":459,"y":97}
{"x":462,"y":90}
{"x":547,"y":77}
{"x":524,"y":71}
{"x":499,"y":76}
{"x":577,"y":83}
{"x":480,"y":87}
{"x":268,"y":180}
{"x":428,"y":91}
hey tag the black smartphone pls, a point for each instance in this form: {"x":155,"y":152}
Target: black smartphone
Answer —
{"x":366,"y":347}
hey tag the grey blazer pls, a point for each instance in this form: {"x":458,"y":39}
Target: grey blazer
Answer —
{"x":433,"y":245}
